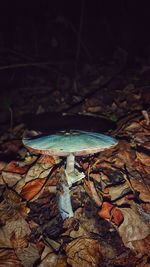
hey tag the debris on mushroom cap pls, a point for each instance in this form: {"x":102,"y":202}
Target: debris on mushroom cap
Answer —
{"x":75,"y":142}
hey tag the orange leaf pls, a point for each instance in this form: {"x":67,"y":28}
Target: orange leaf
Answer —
{"x":32,"y":188}
{"x":13,"y":166}
{"x":105,"y":211}
{"x":116,"y":216}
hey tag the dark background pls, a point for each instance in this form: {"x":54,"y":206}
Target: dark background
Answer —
{"x":32,"y":26}
{"x":69,"y":35}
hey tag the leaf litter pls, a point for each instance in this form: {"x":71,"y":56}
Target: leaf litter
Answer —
{"x":111,"y":222}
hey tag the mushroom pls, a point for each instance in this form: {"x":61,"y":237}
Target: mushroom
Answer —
{"x":70,"y":144}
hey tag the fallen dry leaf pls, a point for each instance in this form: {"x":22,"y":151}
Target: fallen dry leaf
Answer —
{"x":130,"y":259}
{"x":116,"y":216}
{"x":142,"y":189}
{"x":118,"y":191}
{"x":28,"y":255}
{"x":143,"y":158}
{"x":51,"y":259}
{"x":105,"y":210}
{"x":8,"y":258}
{"x":12,"y":207}
{"x":32,"y":188}
{"x":17,"y":167}
{"x":54,"y":260}
{"x":133,"y":227}
{"x":17,"y":228}
{"x":47,"y":159}
{"x":20,"y":242}
{"x":142,"y":246}
{"x":38,"y":170}
{"x":10,"y":178}
{"x":4,"y":238}
{"x":125,"y":155}
{"x":84,"y":252}
{"x":111,"y":213}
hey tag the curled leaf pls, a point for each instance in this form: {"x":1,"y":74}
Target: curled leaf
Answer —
{"x":116,"y":216}
{"x":111,"y":213}
{"x":105,"y":211}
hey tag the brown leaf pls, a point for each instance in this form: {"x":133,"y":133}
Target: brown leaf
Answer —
{"x":118,"y":191}
{"x":146,"y":207}
{"x":124,"y":155}
{"x":20,"y":242}
{"x":8,"y":258}
{"x":133,"y":227}
{"x":4,"y":238}
{"x":84,"y":252}
{"x":139,"y":186}
{"x":50,"y":259}
{"x":47,"y":159}
{"x":28,"y":255}
{"x":12,"y":207}
{"x":142,"y":246}
{"x":17,"y":228}
{"x":130,"y":259}
{"x":143,"y":158}
{"x":10,"y":178}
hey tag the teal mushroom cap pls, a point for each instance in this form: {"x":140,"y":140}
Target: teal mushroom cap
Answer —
{"x":70,"y":144}
{"x":78,"y":143}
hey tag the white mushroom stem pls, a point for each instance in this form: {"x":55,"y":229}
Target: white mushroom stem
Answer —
{"x":70,"y":163}
{"x":64,"y":203}
{"x":72,"y":174}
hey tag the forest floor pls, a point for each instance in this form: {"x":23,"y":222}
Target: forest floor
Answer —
{"x":111,"y":222}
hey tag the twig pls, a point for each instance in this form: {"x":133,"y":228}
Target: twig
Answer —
{"x":22,"y":65}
